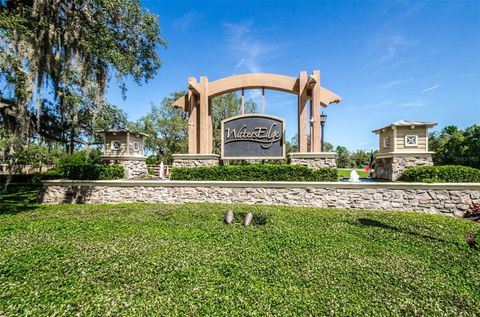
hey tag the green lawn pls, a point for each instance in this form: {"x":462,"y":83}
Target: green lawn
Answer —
{"x":346,"y":173}
{"x":18,"y":197}
{"x":156,"y":259}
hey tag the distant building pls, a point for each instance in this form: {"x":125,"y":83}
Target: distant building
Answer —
{"x":401,"y":144}
{"x":126,"y":147}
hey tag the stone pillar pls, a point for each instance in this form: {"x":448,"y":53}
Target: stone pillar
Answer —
{"x":314,"y":160}
{"x":193,"y":160}
{"x":315,"y":132}
{"x":134,"y":168}
{"x":302,"y":113}
{"x":391,"y":166}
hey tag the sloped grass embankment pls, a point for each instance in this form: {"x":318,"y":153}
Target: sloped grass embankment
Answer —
{"x":156,"y":259}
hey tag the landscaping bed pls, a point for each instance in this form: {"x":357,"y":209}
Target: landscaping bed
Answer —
{"x":163,"y":259}
{"x":254,"y":172}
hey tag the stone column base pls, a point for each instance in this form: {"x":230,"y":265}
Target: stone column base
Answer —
{"x":193,"y":160}
{"x":314,"y":160}
{"x":390,"y":166}
{"x":134,"y":166}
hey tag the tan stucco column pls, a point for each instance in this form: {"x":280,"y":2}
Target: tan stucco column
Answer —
{"x":302,"y":112}
{"x":210,"y":127}
{"x":203,"y":117}
{"x":315,"y":111}
{"x":192,"y":122}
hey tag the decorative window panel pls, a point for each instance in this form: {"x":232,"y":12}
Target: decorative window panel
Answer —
{"x":136,"y":146}
{"x":411,"y":140}
{"x":115,"y":145}
{"x":386,"y":142}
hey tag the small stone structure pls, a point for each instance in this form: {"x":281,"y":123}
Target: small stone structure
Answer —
{"x":401,"y":144}
{"x":449,"y":199}
{"x":194,"y":160}
{"x":126,"y":147}
{"x":314,"y":160}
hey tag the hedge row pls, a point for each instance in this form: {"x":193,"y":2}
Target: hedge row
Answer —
{"x":441,"y":174}
{"x":256,"y":172}
{"x":92,"y":172}
{"x":36,"y":178}
{"x":77,"y":172}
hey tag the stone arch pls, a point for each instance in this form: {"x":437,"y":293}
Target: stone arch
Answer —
{"x":307,"y":88}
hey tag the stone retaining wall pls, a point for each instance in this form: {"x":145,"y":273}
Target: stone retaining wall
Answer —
{"x":194,"y":160}
{"x":451,"y":199}
{"x":194,"y":163}
{"x":315,"y":163}
{"x":314,"y":160}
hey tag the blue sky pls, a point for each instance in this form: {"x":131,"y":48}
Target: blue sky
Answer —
{"x":388,"y":60}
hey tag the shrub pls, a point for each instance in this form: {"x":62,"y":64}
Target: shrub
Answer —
{"x":53,"y":173}
{"x":83,"y":166}
{"x":93,"y":172}
{"x":255,"y":172}
{"x":151,"y":171}
{"x":80,"y":171}
{"x":79,"y":165}
{"x":115,"y":171}
{"x":152,"y":159}
{"x":81,"y":157}
{"x":441,"y":174}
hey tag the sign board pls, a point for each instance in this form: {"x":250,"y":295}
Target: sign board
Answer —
{"x":253,"y":136}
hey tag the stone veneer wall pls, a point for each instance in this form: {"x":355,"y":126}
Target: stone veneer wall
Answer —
{"x":194,"y":162}
{"x":135,"y":168}
{"x":451,"y":199}
{"x":315,"y":163}
{"x":391,"y":168}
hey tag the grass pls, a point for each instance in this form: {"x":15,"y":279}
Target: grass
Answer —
{"x":18,"y":197}
{"x":164,"y":259}
{"x":342,"y":173}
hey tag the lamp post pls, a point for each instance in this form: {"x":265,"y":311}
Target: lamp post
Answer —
{"x":323,"y":118}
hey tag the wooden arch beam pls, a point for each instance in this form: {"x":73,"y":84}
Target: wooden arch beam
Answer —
{"x":253,"y":81}
{"x":258,"y":81}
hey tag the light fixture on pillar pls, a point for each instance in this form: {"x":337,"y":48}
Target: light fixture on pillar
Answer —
{"x":323,"y":119}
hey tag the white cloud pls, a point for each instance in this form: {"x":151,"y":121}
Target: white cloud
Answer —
{"x":391,"y":47}
{"x":186,"y":21}
{"x":378,"y":105}
{"x":253,"y":93}
{"x":412,"y":104}
{"x":431,"y":88}
{"x":395,"y":83}
{"x":246,"y":47}
{"x":390,"y":104}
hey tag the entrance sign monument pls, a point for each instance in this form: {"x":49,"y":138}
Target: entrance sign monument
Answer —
{"x":197,"y":103}
{"x":402,"y":144}
{"x":253,"y":136}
